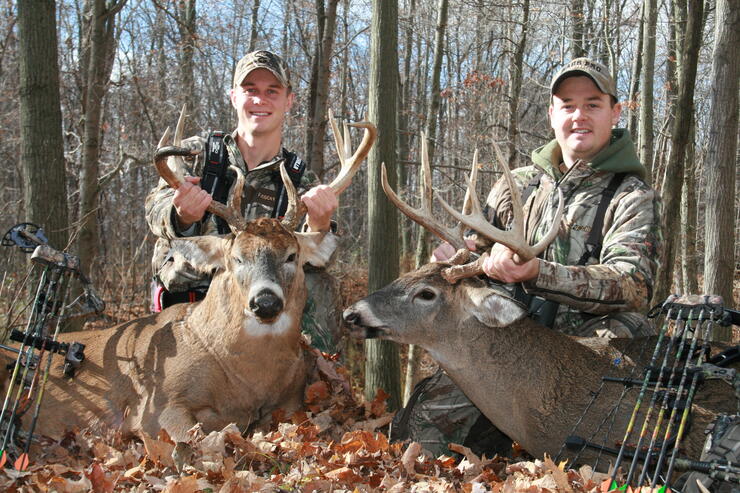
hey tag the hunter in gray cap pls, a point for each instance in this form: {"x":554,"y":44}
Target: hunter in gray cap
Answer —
{"x":594,"y":70}
{"x":262,"y":59}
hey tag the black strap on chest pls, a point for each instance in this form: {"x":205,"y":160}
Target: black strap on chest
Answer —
{"x":214,"y":178}
{"x":295,"y":167}
{"x":596,"y":237}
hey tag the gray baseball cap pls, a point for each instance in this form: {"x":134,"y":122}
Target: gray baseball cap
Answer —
{"x":262,"y":59}
{"x":594,"y":70}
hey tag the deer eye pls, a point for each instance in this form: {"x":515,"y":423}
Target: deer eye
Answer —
{"x":291,"y":258}
{"x":426,"y":294}
{"x":238,"y":259}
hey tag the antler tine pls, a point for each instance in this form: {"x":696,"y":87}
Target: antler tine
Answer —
{"x":296,"y":209}
{"x":423,"y":215}
{"x":516,"y":198}
{"x":227,"y":213}
{"x":180,"y":128}
{"x":165,"y":138}
{"x":235,"y":201}
{"x":350,"y":165}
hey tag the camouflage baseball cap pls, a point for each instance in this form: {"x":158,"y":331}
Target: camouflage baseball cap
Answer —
{"x":262,"y":59}
{"x":594,"y":70}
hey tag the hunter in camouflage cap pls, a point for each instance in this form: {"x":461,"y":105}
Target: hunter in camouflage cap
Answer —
{"x":594,"y":70}
{"x":262,"y":59}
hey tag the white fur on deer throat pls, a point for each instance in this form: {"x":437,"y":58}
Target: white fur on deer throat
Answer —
{"x":254,"y":328}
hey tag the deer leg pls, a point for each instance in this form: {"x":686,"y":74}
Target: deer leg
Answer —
{"x":176,"y":420}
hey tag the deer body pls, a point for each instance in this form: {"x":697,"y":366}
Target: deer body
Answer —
{"x":533,"y":383}
{"x":234,"y":357}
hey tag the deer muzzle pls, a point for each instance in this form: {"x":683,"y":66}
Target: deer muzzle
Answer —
{"x":363,"y":324}
{"x":266,"y":305}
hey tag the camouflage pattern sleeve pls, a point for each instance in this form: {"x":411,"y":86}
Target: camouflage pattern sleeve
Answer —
{"x":158,"y":206}
{"x":623,"y":278}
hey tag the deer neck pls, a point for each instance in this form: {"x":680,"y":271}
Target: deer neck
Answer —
{"x":528,"y":380}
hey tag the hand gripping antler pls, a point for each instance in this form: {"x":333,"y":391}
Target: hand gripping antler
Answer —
{"x":349,"y":166}
{"x":173,"y":174}
{"x":423,"y":215}
{"x":514,"y":238}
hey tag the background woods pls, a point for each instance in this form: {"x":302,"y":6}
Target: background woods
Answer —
{"x":468,"y":73}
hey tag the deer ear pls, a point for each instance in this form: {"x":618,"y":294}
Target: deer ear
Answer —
{"x":316,"y":248}
{"x":493,"y":308}
{"x":204,"y":254}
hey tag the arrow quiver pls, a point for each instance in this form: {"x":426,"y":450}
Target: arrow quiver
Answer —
{"x":650,"y":450}
{"x":37,"y":343}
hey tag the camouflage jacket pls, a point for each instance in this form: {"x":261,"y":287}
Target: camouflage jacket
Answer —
{"x":621,"y":278}
{"x":258,"y":200}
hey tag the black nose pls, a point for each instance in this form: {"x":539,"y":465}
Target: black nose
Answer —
{"x":266,"y":304}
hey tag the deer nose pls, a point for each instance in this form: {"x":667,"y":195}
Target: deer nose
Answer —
{"x":266,"y":304}
{"x":350,"y":316}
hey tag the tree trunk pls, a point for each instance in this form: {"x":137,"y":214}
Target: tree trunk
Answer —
{"x":721,"y":163}
{"x":422,"y":244}
{"x":577,"y":29}
{"x":515,"y":87}
{"x":187,"y":27}
{"x":404,"y":127}
{"x":673,"y":182}
{"x":99,"y":41}
{"x":382,"y":368}
{"x":253,"y":25}
{"x":688,"y":218}
{"x":648,"y":73}
{"x":635,"y":78}
{"x":318,"y":125}
{"x":42,"y":148}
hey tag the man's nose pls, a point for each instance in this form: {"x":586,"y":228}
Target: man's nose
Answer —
{"x":579,"y":114}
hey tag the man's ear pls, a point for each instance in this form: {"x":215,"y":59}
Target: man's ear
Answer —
{"x":492,"y":307}
{"x":616,"y":113}
{"x":291,"y":100}
{"x":204,"y":254}
{"x":316,"y":248}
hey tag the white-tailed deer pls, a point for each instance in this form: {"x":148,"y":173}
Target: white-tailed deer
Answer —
{"x":235,"y":357}
{"x":532,"y":382}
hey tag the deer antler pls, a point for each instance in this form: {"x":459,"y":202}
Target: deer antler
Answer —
{"x":349,"y":167}
{"x":513,"y":238}
{"x":423,"y":214}
{"x":231,"y":216}
{"x":172,"y":174}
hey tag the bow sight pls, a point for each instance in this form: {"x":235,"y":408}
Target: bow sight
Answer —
{"x":681,"y":361}
{"x":38,"y":342}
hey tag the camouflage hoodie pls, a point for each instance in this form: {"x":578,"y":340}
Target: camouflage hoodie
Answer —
{"x":258,"y":200}
{"x":621,"y":279}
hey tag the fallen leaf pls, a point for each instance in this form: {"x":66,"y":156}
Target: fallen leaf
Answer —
{"x":409,"y":458}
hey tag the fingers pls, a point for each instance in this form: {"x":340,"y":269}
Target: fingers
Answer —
{"x":190,"y":201}
{"x":443,"y":252}
{"x":321,"y":203}
{"x":502,"y":264}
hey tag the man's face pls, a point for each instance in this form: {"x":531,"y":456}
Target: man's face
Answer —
{"x":261,"y":103}
{"x":582,"y":117}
